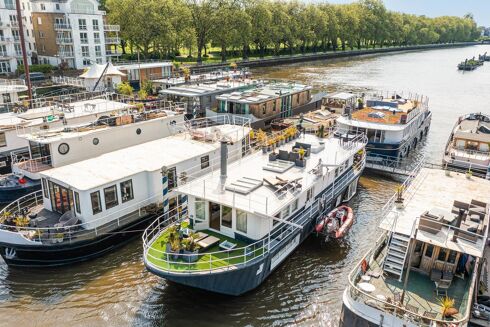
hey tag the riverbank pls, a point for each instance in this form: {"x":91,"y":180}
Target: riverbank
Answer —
{"x":285,"y":59}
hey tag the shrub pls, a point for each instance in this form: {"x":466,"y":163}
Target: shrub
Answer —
{"x":44,"y":68}
{"x":125,"y":89}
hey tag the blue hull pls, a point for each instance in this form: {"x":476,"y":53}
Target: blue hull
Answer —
{"x":12,"y":193}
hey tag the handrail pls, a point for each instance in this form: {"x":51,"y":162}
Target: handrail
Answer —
{"x":395,"y":309}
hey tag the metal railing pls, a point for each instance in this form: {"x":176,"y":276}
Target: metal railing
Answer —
{"x":64,"y":40}
{"x":112,"y":28}
{"x":33,"y":165}
{"x":112,"y":40}
{"x":67,"y":80}
{"x":62,"y":26}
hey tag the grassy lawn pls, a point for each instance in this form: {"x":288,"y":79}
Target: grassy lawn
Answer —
{"x":207,"y":259}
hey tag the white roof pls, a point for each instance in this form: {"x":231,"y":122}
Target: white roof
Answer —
{"x":262,"y":200}
{"x":95,"y":71}
{"x":341,"y":96}
{"x":433,"y":189}
{"x":145,"y":65}
{"x":150,"y":156}
{"x":363,"y":124}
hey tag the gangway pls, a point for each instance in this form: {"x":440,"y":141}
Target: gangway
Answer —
{"x":391,"y":165}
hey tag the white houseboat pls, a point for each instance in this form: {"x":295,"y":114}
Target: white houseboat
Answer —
{"x":51,"y":148}
{"x":394,"y":125}
{"x":246,"y":219}
{"x":89,"y":207}
{"x":422,"y":269}
{"x":468,"y":147}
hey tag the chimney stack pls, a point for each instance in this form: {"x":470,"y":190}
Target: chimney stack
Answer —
{"x":224,"y":164}
{"x":458,"y":224}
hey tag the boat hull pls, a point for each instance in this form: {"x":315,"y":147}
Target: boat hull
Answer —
{"x":10,"y":194}
{"x":64,"y":254}
{"x":233,"y":281}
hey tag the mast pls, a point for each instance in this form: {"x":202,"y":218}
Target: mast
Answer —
{"x":23,"y":47}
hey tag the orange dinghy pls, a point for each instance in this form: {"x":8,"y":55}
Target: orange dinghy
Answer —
{"x":337,"y":223}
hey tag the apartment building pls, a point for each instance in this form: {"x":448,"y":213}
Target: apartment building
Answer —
{"x":10,"y":47}
{"x":73,"y":32}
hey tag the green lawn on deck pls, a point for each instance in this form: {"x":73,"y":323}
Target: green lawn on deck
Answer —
{"x":158,"y":257}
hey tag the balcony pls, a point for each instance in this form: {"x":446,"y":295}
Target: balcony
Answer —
{"x":66,"y":54}
{"x":112,"y":40}
{"x":112,"y":28}
{"x":14,"y":24}
{"x":4,"y":54}
{"x":112,"y":53}
{"x":4,"y":39}
{"x":62,"y":26}
{"x":64,"y":40}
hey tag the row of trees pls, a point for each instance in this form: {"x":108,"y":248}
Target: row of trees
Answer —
{"x":275,"y":26}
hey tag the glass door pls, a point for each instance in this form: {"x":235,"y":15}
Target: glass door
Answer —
{"x":214,"y":216}
{"x":61,"y":198}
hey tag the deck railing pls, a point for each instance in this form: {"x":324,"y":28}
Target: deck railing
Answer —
{"x":33,"y":165}
{"x":396,"y":309}
{"x":231,"y":259}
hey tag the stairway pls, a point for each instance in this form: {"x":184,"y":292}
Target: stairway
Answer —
{"x":396,"y":255}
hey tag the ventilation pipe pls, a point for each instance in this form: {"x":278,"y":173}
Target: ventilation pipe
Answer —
{"x":224,"y":164}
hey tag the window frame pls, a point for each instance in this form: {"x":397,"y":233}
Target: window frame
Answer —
{"x":202,"y":204}
{"x":116,"y":199}
{"x":230,"y":214}
{"x":99,"y":210}
{"x":44,"y":183}
{"x":76,"y":199}
{"x":204,"y":161}
{"x":4,"y":141}
{"x":240,"y":213}
{"x":124,"y":200}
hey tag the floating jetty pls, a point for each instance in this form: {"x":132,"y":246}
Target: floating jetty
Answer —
{"x":471,"y":64}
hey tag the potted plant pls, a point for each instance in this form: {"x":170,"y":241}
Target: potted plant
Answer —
{"x":190,"y":249}
{"x":469,"y":174}
{"x":173,"y":246}
{"x":301,"y":162}
{"x":447,"y":307}
{"x":399,"y":197}
{"x":273,"y":155}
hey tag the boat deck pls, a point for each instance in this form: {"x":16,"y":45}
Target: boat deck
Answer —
{"x":211,"y":258}
{"x":420,"y":295}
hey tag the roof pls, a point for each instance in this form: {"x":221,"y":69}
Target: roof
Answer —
{"x":145,"y":65}
{"x":341,"y":96}
{"x":378,"y":115}
{"x":96,"y":71}
{"x":264,"y":92}
{"x":262,"y":200}
{"x":150,"y":156}
{"x":195,"y":78}
{"x":198,"y":90}
{"x":473,"y":129}
{"x":369,"y":124}
{"x":433,"y":189}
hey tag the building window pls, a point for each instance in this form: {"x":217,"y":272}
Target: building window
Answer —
{"x":77,"y":202}
{"x":204,"y":162}
{"x":241,"y":221}
{"x":57,"y":6}
{"x":95,"y":199}
{"x":110,"y":196}
{"x":127,"y":191}
{"x":83,"y":37}
{"x":85,"y":51}
{"x":4,"y":68}
{"x":39,"y":21}
{"x":429,"y":250}
{"x":43,"y":7}
{"x":82,"y":24}
{"x":95,"y":24}
{"x":18,"y":50}
{"x":41,"y":34}
{"x":226,"y":214}
{"x":45,"y":188}
{"x":97,"y":37}
{"x":172,"y":178}
{"x":200,"y":209}
{"x":99,"y":61}
{"x":98,"y":51}
{"x":86,"y":62}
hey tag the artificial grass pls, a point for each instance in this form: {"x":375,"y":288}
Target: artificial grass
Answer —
{"x":207,"y":259}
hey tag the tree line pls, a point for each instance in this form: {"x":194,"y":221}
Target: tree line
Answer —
{"x":273,"y":27}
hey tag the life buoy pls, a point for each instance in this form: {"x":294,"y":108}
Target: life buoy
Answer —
{"x":364,"y":266}
{"x":22,"y":180}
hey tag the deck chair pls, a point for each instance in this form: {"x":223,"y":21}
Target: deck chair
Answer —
{"x":67,"y":219}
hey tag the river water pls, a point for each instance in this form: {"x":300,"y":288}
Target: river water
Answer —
{"x":306,"y":289}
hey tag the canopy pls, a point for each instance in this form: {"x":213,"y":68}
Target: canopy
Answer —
{"x":96,"y":71}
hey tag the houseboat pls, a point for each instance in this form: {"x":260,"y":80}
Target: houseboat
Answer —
{"x":339,"y":102}
{"x":51,"y":148}
{"x":9,"y":92}
{"x":51,"y":113}
{"x":422,"y":270}
{"x":393,"y":124}
{"x":268,"y":102}
{"x":89,"y":207}
{"x":201,"y":97}
{"x":468,"y":147}
{"x":244,"y":220}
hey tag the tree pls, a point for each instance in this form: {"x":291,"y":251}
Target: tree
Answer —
{"x":202,"y":20}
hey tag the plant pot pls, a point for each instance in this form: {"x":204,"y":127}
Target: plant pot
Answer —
{"x":264,"y":150}
{"x":469,"y":174}
{"x":399,"y":204}
{"x":300,"y":162}
{"x":448,"y":173}
{"x":273,"y":156}
{"x":191,"y":256}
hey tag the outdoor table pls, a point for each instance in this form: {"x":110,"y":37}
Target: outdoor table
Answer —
{"x":366,"y":287}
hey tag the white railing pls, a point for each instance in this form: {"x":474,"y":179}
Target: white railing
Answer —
{"x":35,"y":165}
{"x":112,"y":28}
{"x":6,"y":39}
{"x":112,"y":40}
{"x":66,"y":80}
{"x":64,"y":40}
{"x":62,"y":26}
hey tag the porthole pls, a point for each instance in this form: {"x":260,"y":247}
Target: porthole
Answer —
{"x":63,"y":148}
{"x":138,"y":131}
{"x":95,"y":141}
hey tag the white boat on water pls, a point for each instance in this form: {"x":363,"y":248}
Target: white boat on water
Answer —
{"x":434,"y":233}
{"x":89,"y":207}
{"x":468,"y":146}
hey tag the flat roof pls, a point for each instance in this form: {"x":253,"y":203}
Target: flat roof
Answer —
{"x":369,"y":124}
{"x":194,"y":78}
{"x":264,"y":92}
{"x":341,"y":96}
{"x":35,"y":116}
{"x":262,"y":200}
{"x":150,"y":156}
{"x":197,"y":90}
{"x":433,"y":189}
{"x":144,"y":65}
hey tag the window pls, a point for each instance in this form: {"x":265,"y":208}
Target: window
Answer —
{"x":18,"y":50}
{"x":452,"y":257}
{"x":57,"y":6}
{"x":84,"y":37}
{"x":97,"y":37}
{"x":110,"y":196}
{"x":294,"y":206}
{"x":95,"y":199}
{"x":309,"y":194}
{"x":429,"y":250}
{"x":45,"y":188}
{"x":4,"y":68}
{"x":77,"y":202}
{"x":98,"y":51}
{"x":86,"y":62}
{"x":95,"y":24}
{"x":127,"y":191}
{"x":172,"y":178}
{"x":241,"y":221}
{"x":85,"y":51}
{"x":82,"y":24}
{"x":200,"y":206}
{"x":43,"y":7}
{"x":41,"y":34}
{"x":39,"y":21}
{"x":204,"y":162}
{"x":285,"y":212}
{"x":226,"y":216}
{"x":276,"y":221}
{"x":99,"y":61}
{"x":442,"y":255}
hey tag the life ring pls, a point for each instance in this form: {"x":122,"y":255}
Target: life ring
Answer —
{"x":364,"y":266}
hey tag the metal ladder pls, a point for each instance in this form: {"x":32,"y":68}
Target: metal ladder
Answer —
{"x":397,"y":254}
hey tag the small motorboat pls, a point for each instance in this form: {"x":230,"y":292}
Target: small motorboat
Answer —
{"x":336,"y":223}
